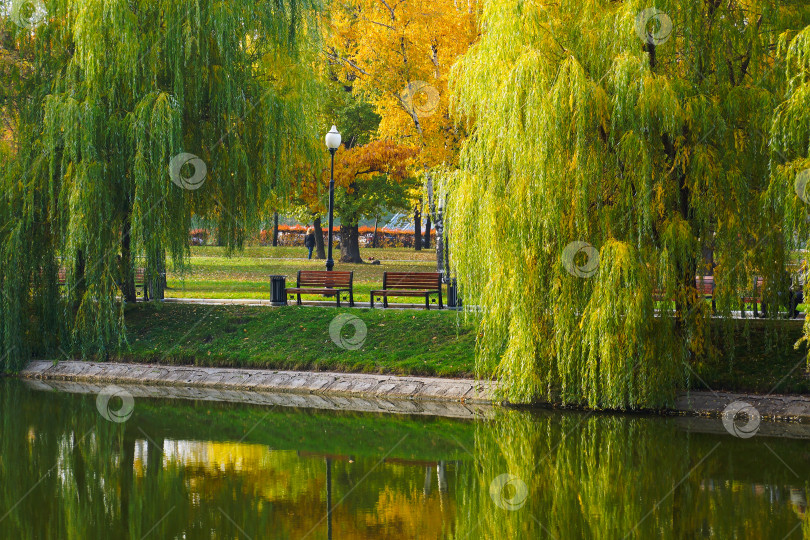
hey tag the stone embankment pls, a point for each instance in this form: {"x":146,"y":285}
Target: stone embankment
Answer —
{"x":360,"y":391}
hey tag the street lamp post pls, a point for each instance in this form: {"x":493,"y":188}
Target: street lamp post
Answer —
{"x":332,"y":143}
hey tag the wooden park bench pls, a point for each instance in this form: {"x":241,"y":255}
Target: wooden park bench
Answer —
{"x":323,"y":282}
{"x":140,"y":280}
{"x":410,"y":284}
{"x":705,"y":289}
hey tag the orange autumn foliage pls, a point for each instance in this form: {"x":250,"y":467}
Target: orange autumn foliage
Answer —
{"x":377,"y":157}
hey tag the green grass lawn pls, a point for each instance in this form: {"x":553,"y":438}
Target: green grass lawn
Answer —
{"x":402,"y":342}
{"x":247,"y":274}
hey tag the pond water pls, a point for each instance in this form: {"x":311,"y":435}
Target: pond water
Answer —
{"x":203,"y":469}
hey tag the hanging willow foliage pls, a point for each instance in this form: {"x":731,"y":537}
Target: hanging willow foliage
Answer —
{"x":108,"y":92}
{"x":601,"y":124}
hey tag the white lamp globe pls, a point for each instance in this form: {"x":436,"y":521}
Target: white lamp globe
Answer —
{"x":333,"y":139}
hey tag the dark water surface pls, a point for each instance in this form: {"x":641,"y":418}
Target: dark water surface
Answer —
{"x":202,"y":469}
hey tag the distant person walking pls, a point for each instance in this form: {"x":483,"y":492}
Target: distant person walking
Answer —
{"x":309,"y":240}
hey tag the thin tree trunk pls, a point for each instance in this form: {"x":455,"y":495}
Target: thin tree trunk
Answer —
{"x":440,"y":254}
{"x":417,"y":228}
{"x":126,"y":274}
{"x":319,"y":243}
{"x":220,"y":235}
{"x":688,"y":270}
{"x":154,"y":284}
{"x":161,"y":292}
{"x":374,"y":238}
{"x":81,"y":287}
{"x":275,"y":229}
{"x":427,"y":231}
{"x":350,"y":244}
{"x":446,"y":249}
{"x":438,"y":221}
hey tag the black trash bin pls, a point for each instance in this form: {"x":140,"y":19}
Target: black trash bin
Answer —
{"x":453,"y":300}
{"x":277,"y":286}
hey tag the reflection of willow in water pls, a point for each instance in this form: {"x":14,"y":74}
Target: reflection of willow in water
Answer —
{"x":585,"y":477}
{"x":615,"y":477}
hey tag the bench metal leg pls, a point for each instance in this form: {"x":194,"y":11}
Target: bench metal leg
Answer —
{"x":371,"y":304}
{"x":299,"y":299}
{"x":427,"y":301}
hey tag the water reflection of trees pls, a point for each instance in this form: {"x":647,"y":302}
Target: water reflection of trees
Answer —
{"x":616,"y":477}
{"x":98,"y":479}
{"x":587,"y":477}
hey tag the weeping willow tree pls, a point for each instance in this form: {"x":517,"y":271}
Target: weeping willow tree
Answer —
{"x":613,"y":144}
{"x":129,"y":118}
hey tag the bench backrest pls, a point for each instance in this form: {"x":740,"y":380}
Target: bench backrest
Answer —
{"x":323,"y":278}
{"x":705,"y":284}
{"x":412,"y":280}
{"x":61,"y":276}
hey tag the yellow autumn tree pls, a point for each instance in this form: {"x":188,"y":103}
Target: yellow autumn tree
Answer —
{"x":398,"y":55}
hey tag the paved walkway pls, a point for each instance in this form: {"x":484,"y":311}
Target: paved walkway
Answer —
{"x":393,"y":305}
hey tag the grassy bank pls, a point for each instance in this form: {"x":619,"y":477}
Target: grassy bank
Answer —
{"x":402,"y":342}
{"x":415,"y":342}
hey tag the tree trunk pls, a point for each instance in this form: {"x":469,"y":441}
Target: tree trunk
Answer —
{"x":442,"y":251}
{"x":440,"y":255}
{"x":350,"y":244}
{"x":427,"y":232}
{"x":439,"y":226}
{"x":374,"y":238}
{"x":417,"y":228}
{"x":155,"y":283}
{"x":275,"y":229}
{"x":319,"y":243}
{"x":446,"y":249}
{"x":688,"y":269}
{"x":125,"y":271}
{"x":161,"y":292}
{"x":80,"y":287}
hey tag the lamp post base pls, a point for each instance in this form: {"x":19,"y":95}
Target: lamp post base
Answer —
{"x":330,"y":264}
